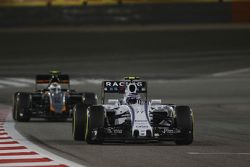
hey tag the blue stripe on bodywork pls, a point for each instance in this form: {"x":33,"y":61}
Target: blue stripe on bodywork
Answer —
{"x":133,"y":115}
{"x":146,"y":110}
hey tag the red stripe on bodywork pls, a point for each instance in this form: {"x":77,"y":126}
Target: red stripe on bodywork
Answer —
{"x":13,"y":148}
{"x":18,"y":153}
{"x":10,"y":142}
{"x":25,"y":160}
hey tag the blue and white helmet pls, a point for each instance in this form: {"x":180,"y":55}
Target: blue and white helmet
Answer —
{"x":131,"y":95}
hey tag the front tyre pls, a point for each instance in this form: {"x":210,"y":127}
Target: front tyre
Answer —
{"x":79,"y":121}
{"x":184,"y":122}
{"x":95,"y":125}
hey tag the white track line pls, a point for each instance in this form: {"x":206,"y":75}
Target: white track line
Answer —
{"x":4,"y":136}
{"x":217,"y":153}
{"x":22,"y":157}
{"x":75,"y":82}
{"x":86,"y":81}
{"x":30,"y":164}
{"x":94,"y":81}
{"x":14,"y":151}
{"x":232,"y":72}
{"x":10,"y":145}
{"x":6,"y":140}
{"x":12,"y":83}
{"x":24,"y":80}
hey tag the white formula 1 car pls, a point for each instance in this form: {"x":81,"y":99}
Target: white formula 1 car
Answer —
{"x":131,"y":117}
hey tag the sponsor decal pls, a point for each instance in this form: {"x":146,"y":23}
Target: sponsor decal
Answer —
{"x":138,"y":121}
{"x":142,"y":126}
{"x":119,"y":86}
{"x":118,"y":131}
{"x":121,"y":83}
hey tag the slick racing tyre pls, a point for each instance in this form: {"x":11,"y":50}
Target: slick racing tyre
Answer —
{"x":79,"y":121}
{"x":184,"y":122}
{"x":95,"y":125}
{"x":21,"y":109}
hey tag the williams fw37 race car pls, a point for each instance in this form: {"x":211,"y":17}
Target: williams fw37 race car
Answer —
{"x":55,"y":101}
{"x":129,"y":116}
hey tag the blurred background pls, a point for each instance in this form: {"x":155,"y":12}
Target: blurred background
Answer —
{"x":108,"y":39}
{"x":82,"y":12}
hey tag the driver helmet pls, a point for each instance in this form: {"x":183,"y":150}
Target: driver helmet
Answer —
{"x":55,"y":87}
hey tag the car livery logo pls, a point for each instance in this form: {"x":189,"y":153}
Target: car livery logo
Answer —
{"x":119,"y":86}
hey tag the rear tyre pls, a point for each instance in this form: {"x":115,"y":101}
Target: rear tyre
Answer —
{"x":95,"y":125}
{"x":79,"y":121}
{"x":184,"y":122}
{"x":22,"y":113}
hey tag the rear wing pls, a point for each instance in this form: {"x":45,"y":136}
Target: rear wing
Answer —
{"x":46,"y":79}
{"x":120,"y":86}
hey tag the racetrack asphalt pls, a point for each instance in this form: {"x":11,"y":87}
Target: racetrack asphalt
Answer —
{"x":207,"y":69}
